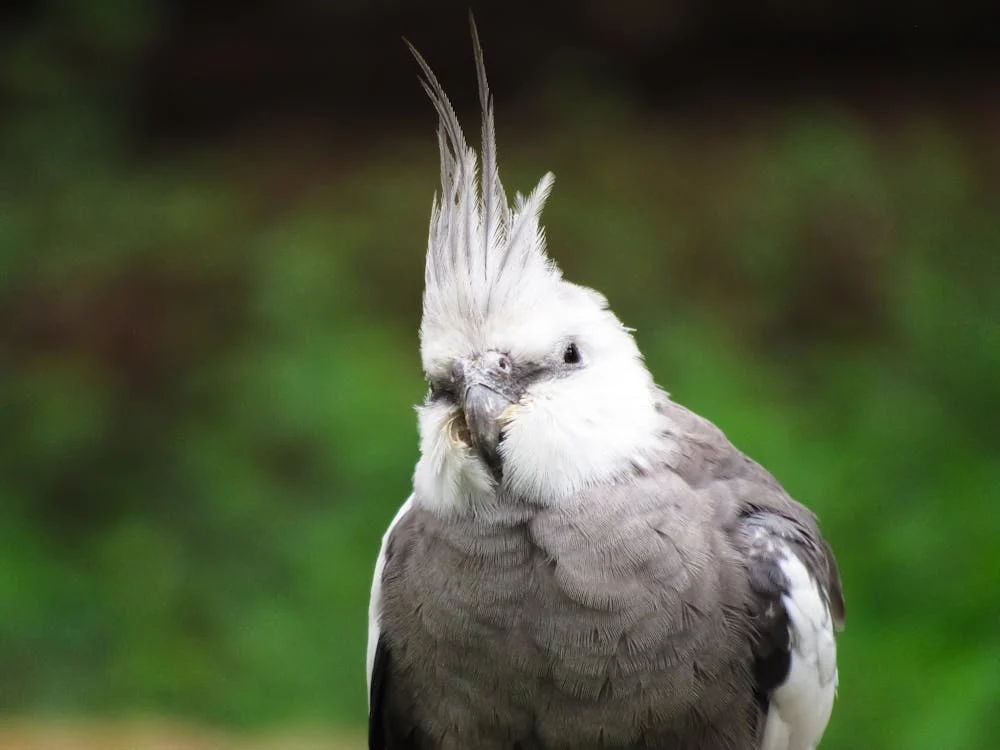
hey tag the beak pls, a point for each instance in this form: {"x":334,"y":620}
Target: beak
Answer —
{"x":486,"y":386}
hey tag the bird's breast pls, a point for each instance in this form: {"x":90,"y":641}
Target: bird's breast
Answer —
{"x":604,"y":622}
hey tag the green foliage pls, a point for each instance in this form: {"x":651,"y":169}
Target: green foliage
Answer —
{"x":210,"y":360}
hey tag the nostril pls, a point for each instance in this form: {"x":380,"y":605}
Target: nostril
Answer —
{"x":457,"y":371}
{"x":504,"y":363}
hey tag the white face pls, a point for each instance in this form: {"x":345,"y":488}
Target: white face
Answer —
{"x":584,"y":414}
{"x":537,"y":390}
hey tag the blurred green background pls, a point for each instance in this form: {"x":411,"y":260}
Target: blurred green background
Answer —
{"x":212,"y":226}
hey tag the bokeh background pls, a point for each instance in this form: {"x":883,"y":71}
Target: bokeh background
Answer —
{"x":212,"y":226}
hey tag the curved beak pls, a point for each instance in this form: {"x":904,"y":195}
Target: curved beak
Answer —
{"x":483,"y":407}
{"x":487,"y":387}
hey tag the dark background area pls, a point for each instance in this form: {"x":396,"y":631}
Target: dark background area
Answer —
{"x":212,"y":224}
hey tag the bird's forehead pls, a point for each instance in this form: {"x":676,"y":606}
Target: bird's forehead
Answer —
{"x":523,"y":337}
{"x":530,"y":329}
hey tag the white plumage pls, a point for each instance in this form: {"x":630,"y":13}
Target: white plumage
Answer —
{"x":801,"y":706}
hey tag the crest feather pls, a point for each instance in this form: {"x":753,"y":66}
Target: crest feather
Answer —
{"x":482,"y":256}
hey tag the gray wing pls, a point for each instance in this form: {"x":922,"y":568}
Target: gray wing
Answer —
{"x":384,"y":732}
{"x":797,"y":607}
{"x":796,"y":602}
{"x":378,"y":677}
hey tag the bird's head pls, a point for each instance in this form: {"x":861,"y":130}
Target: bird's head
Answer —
{"x":536,"y":389}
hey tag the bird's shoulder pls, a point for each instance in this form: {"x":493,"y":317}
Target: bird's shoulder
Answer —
{"x":795,"y":599}
{"x":764,"y":522}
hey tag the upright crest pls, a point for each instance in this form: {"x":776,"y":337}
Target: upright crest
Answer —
{"x":483,"y":256}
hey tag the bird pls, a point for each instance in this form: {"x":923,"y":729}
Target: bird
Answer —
{"x":583,"y":562}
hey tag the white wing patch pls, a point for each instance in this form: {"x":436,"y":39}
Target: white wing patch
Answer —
{"x":800,"y":707}
{"x":375,"y":603}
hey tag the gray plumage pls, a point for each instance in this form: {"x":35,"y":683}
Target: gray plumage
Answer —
{"x":664,"y":593}
{"x":638,"y":620}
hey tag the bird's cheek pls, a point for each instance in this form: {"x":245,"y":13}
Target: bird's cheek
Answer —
{"x":508,"y":420}
{"x":516,"y":411}
{"x":457,"y":430}
{"x":444,"y":435}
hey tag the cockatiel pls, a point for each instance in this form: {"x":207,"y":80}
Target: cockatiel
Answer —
{"x":583,"y":563}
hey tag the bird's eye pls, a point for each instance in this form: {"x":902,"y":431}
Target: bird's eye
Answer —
{"x":571,"y":356}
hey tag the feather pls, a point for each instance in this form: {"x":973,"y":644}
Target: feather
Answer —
{"x":494,"y":202}
{"x":483,"y":258}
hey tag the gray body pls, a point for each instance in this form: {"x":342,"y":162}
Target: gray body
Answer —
{"x":642,"y":614}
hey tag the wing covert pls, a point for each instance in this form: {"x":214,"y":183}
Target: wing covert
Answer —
{"x":381,"y":735}
{"x":797,"y":608}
